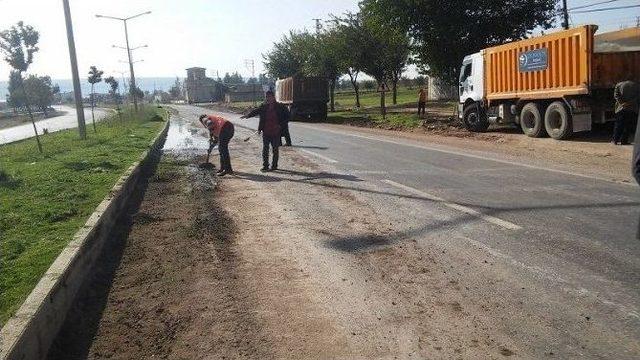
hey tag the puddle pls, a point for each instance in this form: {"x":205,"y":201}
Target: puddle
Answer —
{"x":184,"y":138}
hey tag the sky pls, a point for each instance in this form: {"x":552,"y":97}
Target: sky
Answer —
{"x":216,"y":34}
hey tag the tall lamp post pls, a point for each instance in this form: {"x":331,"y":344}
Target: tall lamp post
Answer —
{"x":77,"y":91}
{"x":132,"y":82}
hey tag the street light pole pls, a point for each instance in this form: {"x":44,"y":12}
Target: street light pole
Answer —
{"x":77,"y":91}
{"x":132,"y":82}
{"x":133,"y":89}
{"x":565,"y":13}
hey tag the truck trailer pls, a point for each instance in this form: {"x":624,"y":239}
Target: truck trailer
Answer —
{"x":306,"y":97}
{"x":554,"y":84}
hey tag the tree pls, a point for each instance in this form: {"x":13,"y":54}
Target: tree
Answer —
{"x":443,"y":35}
{"x":323,"y":59}
{"x":114,"y":92}
{"x":18,"y":44}
{"x":16,"y":98}
{"x":95,"y":76}
{"x":288,"y":56}
{"x":352,"y":49}
{"x":176,"y":90}
{"x":233,"y":79}
{"x":40,"y":91}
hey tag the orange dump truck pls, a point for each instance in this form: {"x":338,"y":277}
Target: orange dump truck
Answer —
{"x":306,"y":97}
{"x":555,"y":84}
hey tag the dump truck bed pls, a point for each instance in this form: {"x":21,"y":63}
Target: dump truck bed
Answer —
{"x":302,"y":89}
{"x":555,"y":65}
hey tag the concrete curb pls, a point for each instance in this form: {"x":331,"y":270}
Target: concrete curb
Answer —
{"x":29,"y":333}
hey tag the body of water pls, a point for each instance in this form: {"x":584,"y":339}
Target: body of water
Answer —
{"x":66,"y":85}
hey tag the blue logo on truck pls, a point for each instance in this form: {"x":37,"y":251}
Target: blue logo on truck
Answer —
{"x":534,"y":60}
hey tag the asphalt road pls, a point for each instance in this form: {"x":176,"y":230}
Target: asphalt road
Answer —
{"x":62,"y":122}
{"x":571,"y":236}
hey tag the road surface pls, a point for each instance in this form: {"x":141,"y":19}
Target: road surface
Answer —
{"x":364,"y":246}
{"x":62,"y":122}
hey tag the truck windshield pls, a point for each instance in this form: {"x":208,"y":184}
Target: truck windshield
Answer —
{"x":465,"y":72}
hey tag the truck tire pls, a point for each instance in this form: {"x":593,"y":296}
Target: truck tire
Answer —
{"x":474,"y":118}
{"x":531,"y":121}
{"x":557,"y":121}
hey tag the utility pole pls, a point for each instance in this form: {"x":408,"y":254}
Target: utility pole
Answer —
{"x":77,"y":91}
{"x":318,"y":25}
{"x":132,"y":87}
{"x":251,"y":65}
{"x":565,"y":13}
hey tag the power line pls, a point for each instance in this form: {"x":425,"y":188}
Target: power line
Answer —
{"x":594,"y":4}
{"x":605,"y":9}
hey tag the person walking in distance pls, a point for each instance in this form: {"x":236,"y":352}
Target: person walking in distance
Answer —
{"x":422,"y":102}
{"x":273,"y":119}
{"x":626,"y":95}
{"x":220,"y":132}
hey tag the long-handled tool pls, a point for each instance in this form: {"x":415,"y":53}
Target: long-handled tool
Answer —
{"x":207,"y":164}
{"x":250,"y":136}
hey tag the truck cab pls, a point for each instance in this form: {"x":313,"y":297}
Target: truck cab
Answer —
{"x":471,"y":92}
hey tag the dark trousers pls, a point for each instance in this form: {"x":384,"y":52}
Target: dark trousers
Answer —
{"x":422,"y":108}
{"x":223,"y":147}
{"x":274,"y":142}
{"x":286,"y":135}
{"x":623,"y":126}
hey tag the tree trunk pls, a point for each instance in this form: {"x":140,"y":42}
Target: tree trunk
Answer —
{"x":35,"y":130}
{"x":383,"y":105}
{"x":356,"y":88}
{"x":33,"y":122}
{"x":93,"y":119}
{"x":332,"y":86}
{"x":394,"y":87}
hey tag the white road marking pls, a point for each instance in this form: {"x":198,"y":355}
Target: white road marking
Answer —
{"x":327,"y":159}
{"x":491,"y":219}
{"x":460,"y":153}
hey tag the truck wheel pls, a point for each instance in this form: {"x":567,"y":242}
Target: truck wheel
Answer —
{"x":531,"y":120}
{"x":557,"y":121}
{"x":474,"y":119}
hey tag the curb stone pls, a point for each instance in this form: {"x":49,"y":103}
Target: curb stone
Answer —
{"x":29,"y":333}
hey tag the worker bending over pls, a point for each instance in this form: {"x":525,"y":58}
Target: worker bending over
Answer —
{"x":274,"y":118}
{"x":220,"y":132}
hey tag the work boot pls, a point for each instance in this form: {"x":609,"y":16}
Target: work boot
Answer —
{"x":264,"y":169}
{"x":274,"y":168}
{"x":222,"y":173}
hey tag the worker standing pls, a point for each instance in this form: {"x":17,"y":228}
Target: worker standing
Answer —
{"x":626,"y":95}
{"x":220,"y":132}
{"x":273,"y":120}
{"x":422,"y":102}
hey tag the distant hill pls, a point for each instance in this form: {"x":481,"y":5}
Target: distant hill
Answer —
{"x":66,"y":85}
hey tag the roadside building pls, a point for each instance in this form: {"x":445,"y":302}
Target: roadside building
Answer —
{"x":199,"y":88}
{"x":243,"y":92}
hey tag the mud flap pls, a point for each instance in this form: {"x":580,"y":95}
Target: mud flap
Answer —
{"x":581,"y":122}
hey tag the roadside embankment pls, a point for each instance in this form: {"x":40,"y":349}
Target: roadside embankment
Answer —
{"x":46,"y":198}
